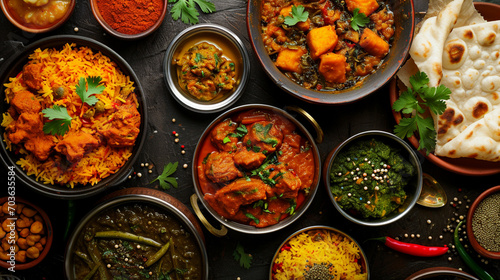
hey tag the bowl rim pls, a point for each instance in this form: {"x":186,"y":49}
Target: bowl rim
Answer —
{"x":128,"y":198}
{"x":49,"y":234}
{"x":169,"y":69}
{"x":470,"y":233}
{"x":54,"y":26}
{"x":124,"y":36}
{"x":319,"y":227}
{"x":384,"y":134}
{"x":120,"y":175}
{"x":439,"y":271}
{"x":243,"y":228}
{"x":318,"y":97}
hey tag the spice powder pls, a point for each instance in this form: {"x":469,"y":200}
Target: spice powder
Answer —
{"x":130,"y":16}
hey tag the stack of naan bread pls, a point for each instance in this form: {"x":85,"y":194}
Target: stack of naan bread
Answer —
{"x":457,"y":48}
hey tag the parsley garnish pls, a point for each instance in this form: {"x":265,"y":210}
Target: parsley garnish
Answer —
{"x":165,"y":180}
{"x":186,"y":10}
{"x":60,"y":120}
{"x":416,"y":101}
{"x":298,"y":15}
{"x":358,"y":19}
{"x":243,"y":258}
{"x":86,"y":95}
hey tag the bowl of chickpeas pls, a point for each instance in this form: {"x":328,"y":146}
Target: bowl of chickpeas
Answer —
{"x":25,"y":233}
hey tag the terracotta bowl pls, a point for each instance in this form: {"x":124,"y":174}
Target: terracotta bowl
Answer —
{"x":470,"y":233}
{"x":15,"y":19}
{"x":49,"y":233}
{"x":120,"y":35}
{"x":440,"y":273}
{"x":404,"y":19}
{"x":412,"y":189}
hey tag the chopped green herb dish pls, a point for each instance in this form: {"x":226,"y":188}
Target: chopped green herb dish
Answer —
{"x":368,"y":178}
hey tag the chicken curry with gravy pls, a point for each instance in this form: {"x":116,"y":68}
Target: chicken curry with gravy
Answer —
{"x":256,"y":168}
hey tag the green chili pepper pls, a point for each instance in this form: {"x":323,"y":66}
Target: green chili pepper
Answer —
{"x":92,"y":272}
{"x":479,"y":271}
{"x":158,"y":254}
{"x":127,"y":236}
{"x":70,"y":220}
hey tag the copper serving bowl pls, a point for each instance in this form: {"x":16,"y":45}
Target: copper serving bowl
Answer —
{"x":404,"y":20}
{"x":143,"y":196}
{"x":412,"y":190}
{"x":470,"y":233}
{"x":117,"y":34}
{"x":236,"y":225}
{"x":49,"y":234}
{"x":16,"y":20}
{"x":14,"y":66}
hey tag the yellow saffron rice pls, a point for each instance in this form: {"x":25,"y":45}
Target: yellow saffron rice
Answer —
{"x":314,"y":251}
{"x":64,"y":67}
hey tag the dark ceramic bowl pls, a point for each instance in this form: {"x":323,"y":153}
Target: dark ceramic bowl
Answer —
{"x":49,"y":233}
{"x":243,"y":227}
{"x":12,"y":67}
{"x":143,"y":196}
{"x":404,"y":21}
{"x":412,"y":189}
{"x":117,"y":34}
{"x":470,"y":233}
{"x":441,"y":273}
{"x":13,"y":17}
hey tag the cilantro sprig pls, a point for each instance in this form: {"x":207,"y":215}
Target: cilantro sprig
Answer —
{"x":358,"y":19}
{"x":87,"y":90}
{"x":186,"y":9}
{"x":165,"y":180}
{"x":243,"y":258}
{"x":60,"y":120}
{"x":415,"y":101}
{"x":298,"y":15}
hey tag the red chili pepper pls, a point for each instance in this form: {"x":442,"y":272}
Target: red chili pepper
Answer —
{"x":413,"y":249}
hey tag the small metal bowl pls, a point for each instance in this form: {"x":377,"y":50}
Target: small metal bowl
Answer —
{"x":413,"y":189}
{"x":99,"y":17}
{"x":363,"y":258}
{"x":145,"y":196}
{"x":224,"y":39}
{"x":16,"y":20}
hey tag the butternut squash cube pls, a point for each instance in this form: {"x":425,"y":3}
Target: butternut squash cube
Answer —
{"x":321,"y":40}
{"x":373,"y":44}
{"x":366,"y":7}
{"x":289,"y":60}
{"x":333,"y":67}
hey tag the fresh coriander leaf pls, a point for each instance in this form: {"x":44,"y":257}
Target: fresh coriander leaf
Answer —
{"x":244,"y":259}
{"x":435,"y":98}
{"x":60,"y":120}
{"x":186,"y":9}
{"x":358,"y":19}
{"x":426,"y":133}
{"x":206,"y":6}
{"x":298,"y":15}
{"x":419,"y":80}
{"x":405,"y":128}
{"x":86,"y":92}
{"x":165,"y":180}
{"x":226,"y":140}
{"x":407,"y":102}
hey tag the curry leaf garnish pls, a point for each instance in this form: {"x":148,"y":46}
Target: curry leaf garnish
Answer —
{"x":186,"y":9}
{"x":86,"y":93}
{"x":358,"y":19}
{"x":240,"y":131}
{"x":243,"y":258}
{"x":298,"y":15}
{"x":60,"y":120}
{"x":415,"y":101}
{"x":165,"y":179}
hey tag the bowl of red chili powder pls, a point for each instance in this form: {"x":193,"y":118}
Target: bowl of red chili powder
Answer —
{"x":129,"y":19}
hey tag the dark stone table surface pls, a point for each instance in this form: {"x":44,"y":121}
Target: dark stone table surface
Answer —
{"x":338,"y":122}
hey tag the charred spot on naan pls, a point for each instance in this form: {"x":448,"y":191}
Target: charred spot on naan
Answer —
{"x":456,"y":52}
{"x":449,"y":119}
{"x":480,"y":109}
{"x":468,"y":34}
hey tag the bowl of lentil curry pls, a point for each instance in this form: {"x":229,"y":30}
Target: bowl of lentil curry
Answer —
{"x":129,"y":19}
{"x":483,"y":223}
{"x":206,"y":68}
{"x":315,"y":51}
{"x":37,"y":16}
{"x":373,"y":178}
{"x":137,"y":233}
{"x":319,"y":252}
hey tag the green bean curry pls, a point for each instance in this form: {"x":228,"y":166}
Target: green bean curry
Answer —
{"x":368,"y":178}
{"x":327,"y":45}
{"x":136,"y":241}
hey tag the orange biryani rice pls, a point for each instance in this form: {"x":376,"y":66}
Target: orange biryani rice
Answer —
{"x":64,"y":67}
{"x":318,"y":254}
